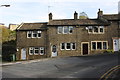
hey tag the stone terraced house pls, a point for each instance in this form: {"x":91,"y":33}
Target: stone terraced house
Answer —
{"x":68,"y":37}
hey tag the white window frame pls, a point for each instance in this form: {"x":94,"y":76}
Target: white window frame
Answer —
{"x":36,"y":49}
{"x":61,"y":46}
{"x":70,"y":28}
{"x":59,"y":28}
{"x":42,"y":48}
{"x":94,"y":30}
{"x":90,"y":27}
{"x":66,"y":46}
{"x":72,"y":46}
{"x":31,"y":48}
{"x":102,"y":28}
{"x":28,"y":33}
{"x":101,"y":45}
{"x":33,"y":34}
{"x":38,"y":33}
{"x":64,"y":29}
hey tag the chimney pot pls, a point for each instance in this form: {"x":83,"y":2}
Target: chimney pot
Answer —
{"x":75,"y":15}
{"x":50,"y":16}
{"x":100,"y":14}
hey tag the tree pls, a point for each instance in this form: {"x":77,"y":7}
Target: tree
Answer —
{"x":83,"y":15}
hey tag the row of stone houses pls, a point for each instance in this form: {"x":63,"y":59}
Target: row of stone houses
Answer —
{"x":68,"y":37}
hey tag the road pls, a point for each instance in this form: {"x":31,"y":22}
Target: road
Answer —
{"x":92,"y":66}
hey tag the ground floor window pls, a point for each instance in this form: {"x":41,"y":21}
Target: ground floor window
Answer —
{"x":99,"y":45}
{"x":36,"y":51}
{"x":68,"y":46}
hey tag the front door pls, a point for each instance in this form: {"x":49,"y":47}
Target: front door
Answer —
{"x":54,"y":51}
{"x":23,"y":54}
{"x":116,"y":44}
{"x":85,"y":48}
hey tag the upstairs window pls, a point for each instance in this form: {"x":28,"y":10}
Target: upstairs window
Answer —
{"x":33,"y":34}
{"x":65,"y":30}
{"x":101,"y":29}
{"x":29,"y":34}
{"x":39,"y":34}
{"x":70,"y":29}
{"x":60,"y":30}
{"x":96,"y":29}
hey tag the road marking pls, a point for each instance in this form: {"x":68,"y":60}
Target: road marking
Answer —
{"x":112,"y":72}
{"x":109,"y":72}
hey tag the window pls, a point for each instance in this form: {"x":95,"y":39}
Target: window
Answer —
{"x":42,"y":51}
{"x":73,"y":46}
{"x":94,"y":45}
{"x":39,"y":34}
{"x":29,"y":34}
{"x":60,"y":30}
{"x":70,"y":29}
{"x":62,"y":46}
{"x":104,"y":45}
{"x":95,"y":29}
{"x":31,"y":50}
{"x":36,"y":51}
{"x":68,"y":46}
{"x":101,"y":29}
{"x":34,"y":34}
{"x":90,"y":30}
{"x":99,"y":45}
{"x":66,"y":29}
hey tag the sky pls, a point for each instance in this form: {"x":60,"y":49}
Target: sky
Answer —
{"x":30,"y":11}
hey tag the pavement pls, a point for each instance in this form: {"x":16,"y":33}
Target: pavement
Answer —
{"x":44,"y":59}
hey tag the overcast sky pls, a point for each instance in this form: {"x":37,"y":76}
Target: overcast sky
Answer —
{"x":37,"y":10}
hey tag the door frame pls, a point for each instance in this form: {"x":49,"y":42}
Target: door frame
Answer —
{"x":25,"y":54}
{"x":56,"y":51}
{"x":114,"y":44}
{"x":82,"y":47}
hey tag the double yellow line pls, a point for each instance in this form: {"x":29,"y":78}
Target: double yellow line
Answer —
{"x":109,"y":72}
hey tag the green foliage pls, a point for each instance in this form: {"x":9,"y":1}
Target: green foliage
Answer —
{"x":8,"y":35}
{"x":8,"y":43}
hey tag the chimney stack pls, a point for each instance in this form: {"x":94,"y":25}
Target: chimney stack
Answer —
{"x":50,"y":16}
{"x":100,"y":14}
{"x":75,"y":15}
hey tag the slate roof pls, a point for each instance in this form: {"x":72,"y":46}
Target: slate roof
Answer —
{"x":111,"y":16}
{"x":32,"y":26}
{"x":72,"y":22}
